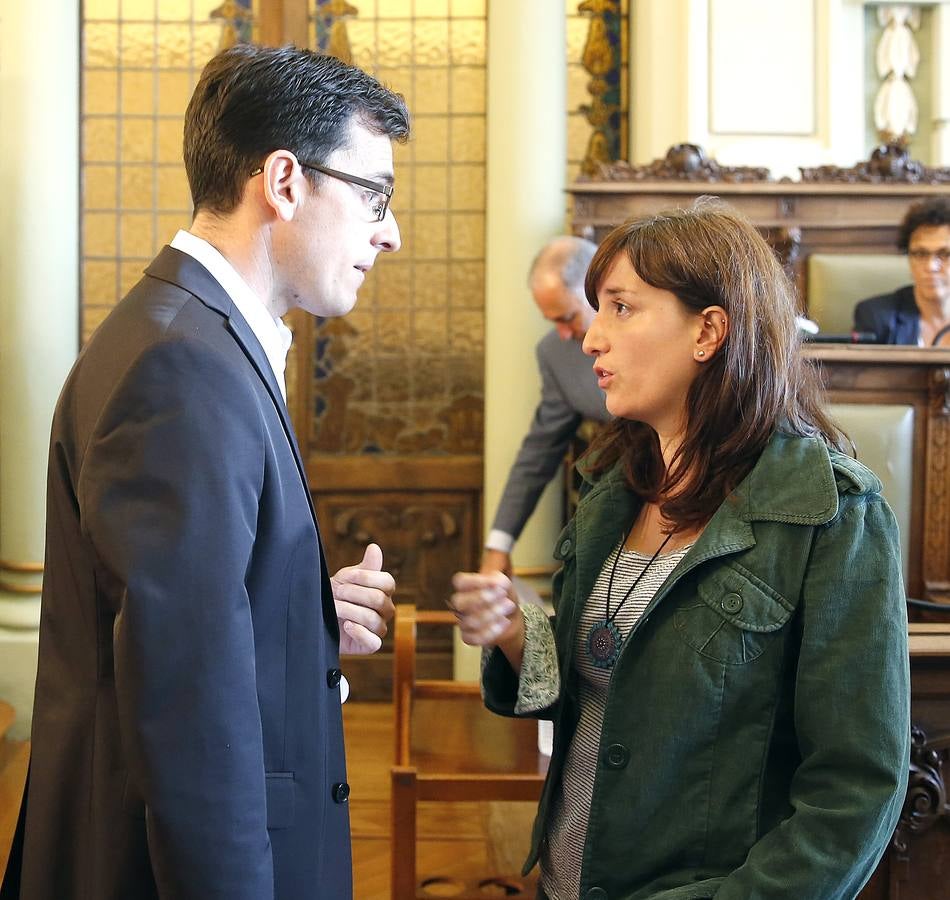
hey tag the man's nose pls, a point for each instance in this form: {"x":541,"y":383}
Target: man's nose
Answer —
{"x":387,"y":238}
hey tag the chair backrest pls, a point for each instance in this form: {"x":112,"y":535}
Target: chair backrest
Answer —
{"x":883,"y":435}
{"x":838,"y":281}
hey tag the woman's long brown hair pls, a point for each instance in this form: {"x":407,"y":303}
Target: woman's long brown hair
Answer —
{"x":757,"y":382}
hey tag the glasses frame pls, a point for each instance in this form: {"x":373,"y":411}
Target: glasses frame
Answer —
{"x":377,"y":187}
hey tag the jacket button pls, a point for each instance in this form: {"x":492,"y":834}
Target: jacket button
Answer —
{"x":565,"y":546}
{"x":341,"y":792}
{"x":617,"y":756}
{"x":596,"y":893}
{"x":731,"y":603}
{"x":333,"y":677}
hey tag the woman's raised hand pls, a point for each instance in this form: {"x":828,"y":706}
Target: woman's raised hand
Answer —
{"x":486,"y":607}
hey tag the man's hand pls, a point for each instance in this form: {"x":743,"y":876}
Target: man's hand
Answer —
{"x":495,"y":561}
{"x":363,"y":595}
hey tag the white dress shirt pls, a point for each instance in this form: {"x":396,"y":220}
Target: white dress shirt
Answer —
{"x":274,"y":336}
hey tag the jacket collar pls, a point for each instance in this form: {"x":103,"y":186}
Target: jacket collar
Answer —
{"x":792,"y":481}
{"x":185,"y":272}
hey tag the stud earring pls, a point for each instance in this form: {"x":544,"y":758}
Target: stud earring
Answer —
{"x":700,"y":352}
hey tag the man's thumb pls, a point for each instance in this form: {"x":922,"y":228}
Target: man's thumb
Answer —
{"x":372,"y":558}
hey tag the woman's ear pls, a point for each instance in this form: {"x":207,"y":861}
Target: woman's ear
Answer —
{"x":714,"y":326}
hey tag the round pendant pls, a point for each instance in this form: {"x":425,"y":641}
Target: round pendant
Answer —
{"x":603,"y":644}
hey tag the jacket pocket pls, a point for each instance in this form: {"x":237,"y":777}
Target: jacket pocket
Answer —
{"x":733,"y":616}
{"x":281,"y":796}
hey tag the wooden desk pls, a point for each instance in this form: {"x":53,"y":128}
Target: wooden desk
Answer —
{"x":917,"y":864}
{"x":921,"y":379}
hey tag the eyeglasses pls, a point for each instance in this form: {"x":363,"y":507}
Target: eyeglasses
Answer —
{"x":377,"y":206}
{"x":921,"y":256}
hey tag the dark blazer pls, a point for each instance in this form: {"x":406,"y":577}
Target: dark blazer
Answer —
{"x":894,"y":318}
{"x":187,"y":732}
{"x":569,"y":394}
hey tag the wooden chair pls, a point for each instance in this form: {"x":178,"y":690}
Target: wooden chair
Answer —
{"x":450,"y":748}
{"x":14,"y":760}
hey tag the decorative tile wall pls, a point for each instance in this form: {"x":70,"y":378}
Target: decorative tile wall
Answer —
{"x":404,"y":372}
{"x":140,"y":62}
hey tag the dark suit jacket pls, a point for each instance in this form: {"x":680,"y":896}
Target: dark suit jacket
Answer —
{"x":892,"y":317}
{"x":569,"y":394}
{"x":187,"y":732}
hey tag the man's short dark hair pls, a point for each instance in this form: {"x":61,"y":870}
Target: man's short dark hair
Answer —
{"x":934,"y":211}
{"x":252,"y":100}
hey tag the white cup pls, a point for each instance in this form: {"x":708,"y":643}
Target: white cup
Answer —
{"x":545,"y":736}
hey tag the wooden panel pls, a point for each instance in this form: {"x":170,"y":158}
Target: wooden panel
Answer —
{"x":426,"y":535}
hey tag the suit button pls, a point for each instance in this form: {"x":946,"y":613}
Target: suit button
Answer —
{"x":596,"y":893}
{"x":341,"y":792}
{"x":333,"y":677}
{"x":565,"y":546}
{"x":731,"y":603}
{"x":617,"y":756}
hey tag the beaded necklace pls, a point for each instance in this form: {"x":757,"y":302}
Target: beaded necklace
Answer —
{"x":604,"y":638}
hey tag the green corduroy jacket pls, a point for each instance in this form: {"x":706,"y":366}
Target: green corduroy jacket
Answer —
{"x":756,"y":736}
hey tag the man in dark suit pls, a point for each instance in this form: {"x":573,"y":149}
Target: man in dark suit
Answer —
{"x":919,"y":313}
{"x":187,"y":733}
{"x":569,"y":392}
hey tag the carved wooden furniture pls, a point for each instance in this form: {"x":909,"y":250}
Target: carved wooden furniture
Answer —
{"x":917,"y":863}
{"x":450,"y":748}
{"x":837,"y":211}
{"x":425,"y":514}
{"x":921,"y":379}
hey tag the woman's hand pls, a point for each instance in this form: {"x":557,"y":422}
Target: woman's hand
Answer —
{"x":488,"y":613}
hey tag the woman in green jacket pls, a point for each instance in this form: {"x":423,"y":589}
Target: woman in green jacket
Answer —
{"x":727,"y":665}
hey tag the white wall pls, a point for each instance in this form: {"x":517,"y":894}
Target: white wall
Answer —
{"x":776,"y":84}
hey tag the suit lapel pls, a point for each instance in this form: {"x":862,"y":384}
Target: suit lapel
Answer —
{"x":187,"y":273}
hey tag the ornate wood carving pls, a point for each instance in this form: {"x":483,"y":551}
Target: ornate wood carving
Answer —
{"x":888,"y":164}
{"x":683,"y":162}
{"x":937,"y":500}
{"x":926,"y":800}
{"x":426,"y":534}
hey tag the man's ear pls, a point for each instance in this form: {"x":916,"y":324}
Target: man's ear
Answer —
{"x":714,"y":326}
{"x":284,"y":184}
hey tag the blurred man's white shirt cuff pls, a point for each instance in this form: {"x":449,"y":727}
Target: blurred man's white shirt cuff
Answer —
{"x":500,"y":541}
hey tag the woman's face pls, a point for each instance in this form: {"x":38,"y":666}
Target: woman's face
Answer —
{"x":647,"y":348}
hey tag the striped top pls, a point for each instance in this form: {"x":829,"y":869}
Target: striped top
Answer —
{"x":563,"y":847}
